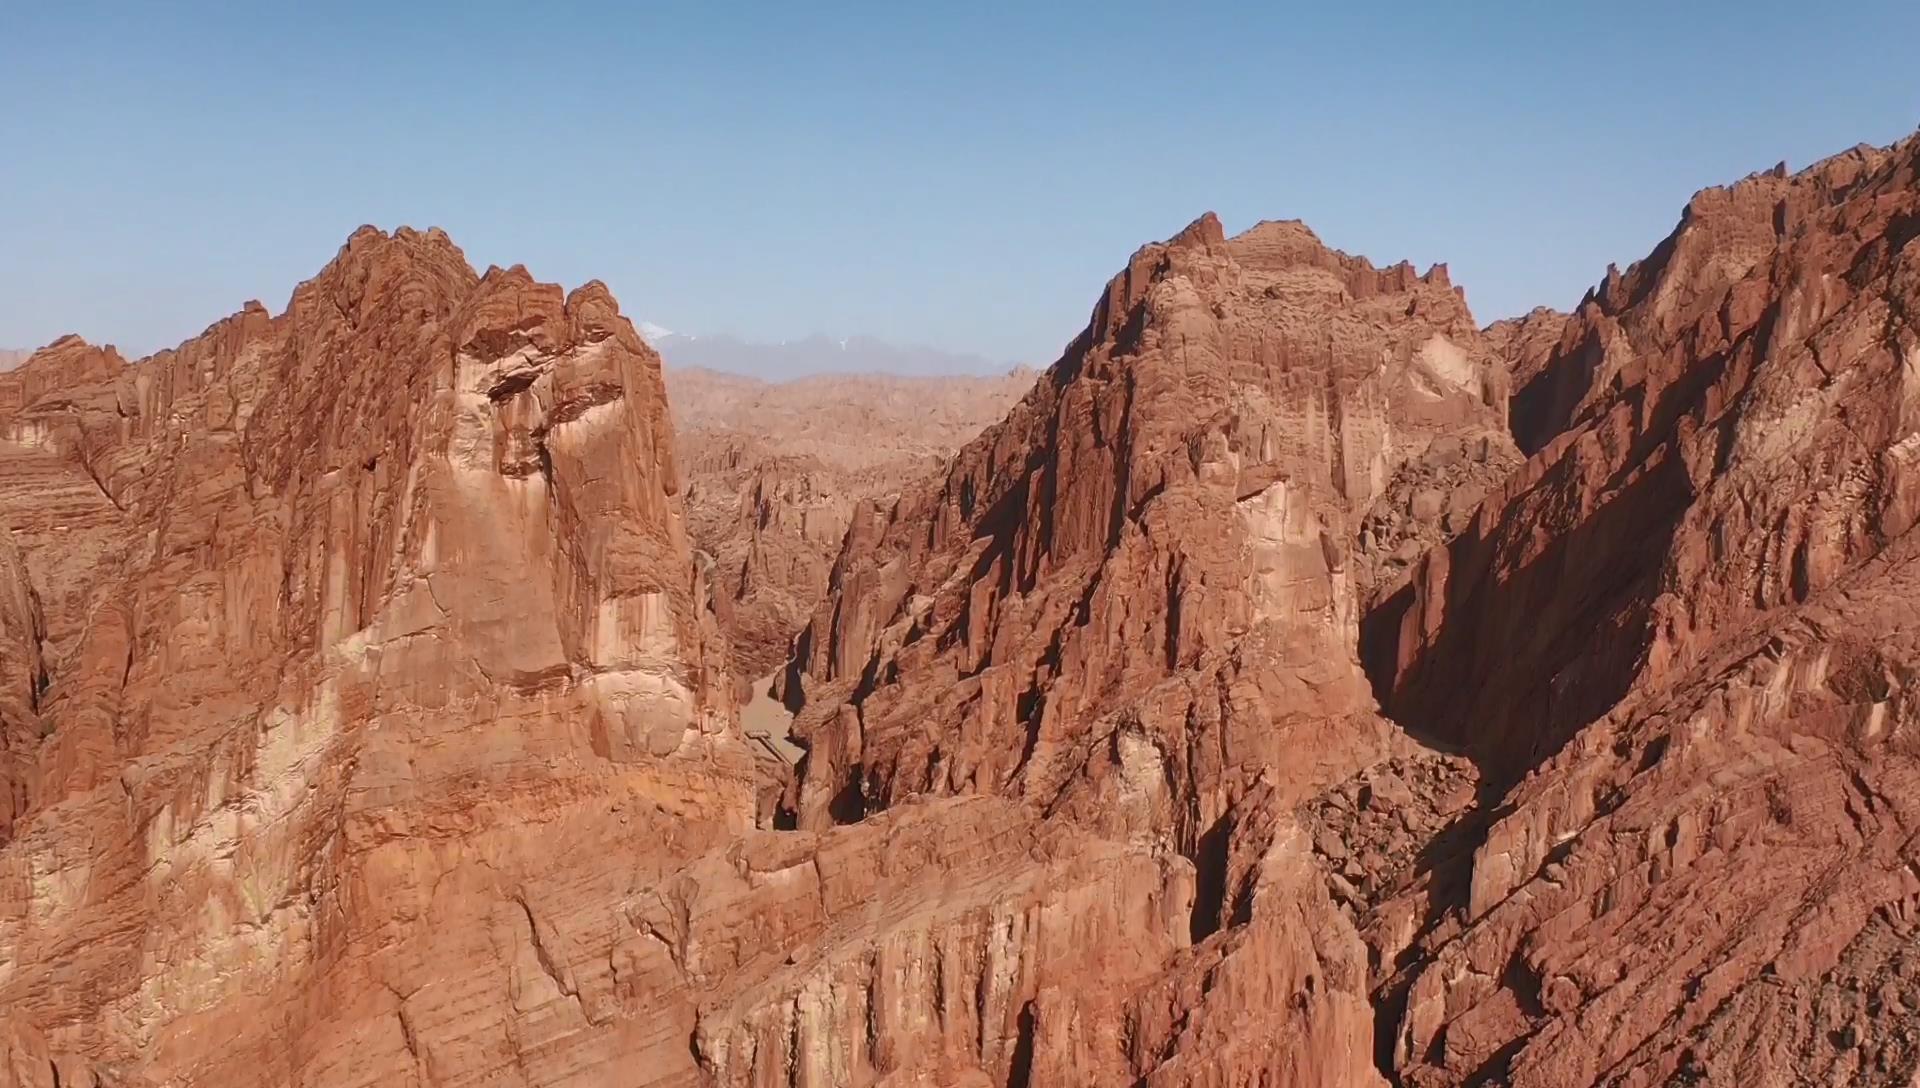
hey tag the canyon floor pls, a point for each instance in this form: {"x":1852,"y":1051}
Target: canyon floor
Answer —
{"x":1296,"y":683}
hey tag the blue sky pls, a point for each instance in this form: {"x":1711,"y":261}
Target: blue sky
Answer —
{"x":965,"y":177}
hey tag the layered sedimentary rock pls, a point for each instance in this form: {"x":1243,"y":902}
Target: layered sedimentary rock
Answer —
{"x":1132,"y":606}
{"x":776,"y":470}
{"x":365,"y":725}
{"x":1680,"y":643}
{"x":366,"y":715}
{"x":353,"y":666}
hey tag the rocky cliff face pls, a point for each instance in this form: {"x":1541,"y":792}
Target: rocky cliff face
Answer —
{"x":1242,"y":709}
{"x":1684,"y":634}
{"x":351,"y":652}
{"x":1132,"y":609}
{"x":776,"y":470}
{"x":1230,"y":456}
{"x":368,"y":728}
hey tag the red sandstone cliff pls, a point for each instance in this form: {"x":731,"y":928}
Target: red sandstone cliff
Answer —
{"x":363,"y":720}
{"x":1684,"y":634}
{"x":1132,"y":608}
{"x":363,"y":725}
{"x":361,"y":650}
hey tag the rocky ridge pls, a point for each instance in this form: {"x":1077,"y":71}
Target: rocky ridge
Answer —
{"x":1427,"y":705}
{"x":1679,"y":642}
{"x":1132,"y":608}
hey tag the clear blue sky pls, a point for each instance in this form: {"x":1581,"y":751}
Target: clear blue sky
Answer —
{"x":965,"y":177}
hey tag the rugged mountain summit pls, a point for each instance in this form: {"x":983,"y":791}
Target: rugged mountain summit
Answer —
{"x":357,"y":641}
{"x":370,"y":729}
{"x":1132,"y":607}
{"x":1227,"y":458}
{"x":776,"y":470}
{"x":1298,"y":686}
{"x":1687,"y":629}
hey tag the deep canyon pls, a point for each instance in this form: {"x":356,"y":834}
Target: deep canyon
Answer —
{"x":1296,"y":683}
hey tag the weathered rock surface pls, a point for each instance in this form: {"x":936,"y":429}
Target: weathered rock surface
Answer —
{"x":26,"y":1061}
{"x":1132,"y":608}
{"x":366,"y":716}
{"x":1186,"y":484}
{"x":1679,"y":644}
{"x":365,"y":725}
{"x":353,"y":662}
{"x":776,"y":470}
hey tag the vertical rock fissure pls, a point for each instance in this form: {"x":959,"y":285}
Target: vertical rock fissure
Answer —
{"x":1020,"y":1068}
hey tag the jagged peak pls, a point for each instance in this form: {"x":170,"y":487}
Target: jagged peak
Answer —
{"x":514,"y":273}
{"x":1289,"y":231}
{"x":509,"y":307}
{"x":1764,"y":203}
{"x":67,"y":363}
{"x":420,"y":272}
{"x":1203,"y":233}
{"x":432,"y":246}
{"x":69,"y":347}
{"x":595,"y":315}
{"x":592,"y":290}
{"x":1278,"y":245}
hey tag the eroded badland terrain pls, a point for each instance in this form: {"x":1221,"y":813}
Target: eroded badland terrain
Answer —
{"x":1297,"y":683}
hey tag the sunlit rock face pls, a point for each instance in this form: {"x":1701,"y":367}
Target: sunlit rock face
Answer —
{"x":1298,"y":686}
{"x":354,"y":671}
{"x":1132,"y":608}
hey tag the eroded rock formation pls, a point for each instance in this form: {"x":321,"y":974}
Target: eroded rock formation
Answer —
{"x":1685,"y":633}
{"x":1132,"y":607}
{"x":351,"y":652}
{"x":365,"y":717}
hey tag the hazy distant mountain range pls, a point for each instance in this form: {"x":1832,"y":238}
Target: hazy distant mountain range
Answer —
{"x":817,"y":354}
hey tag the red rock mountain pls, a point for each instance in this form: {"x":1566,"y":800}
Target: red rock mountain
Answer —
{"x":349,"y":652}
{"x":1298,"y":686}
{"x":1132,"y":610}
{"x":1680,"y":642}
